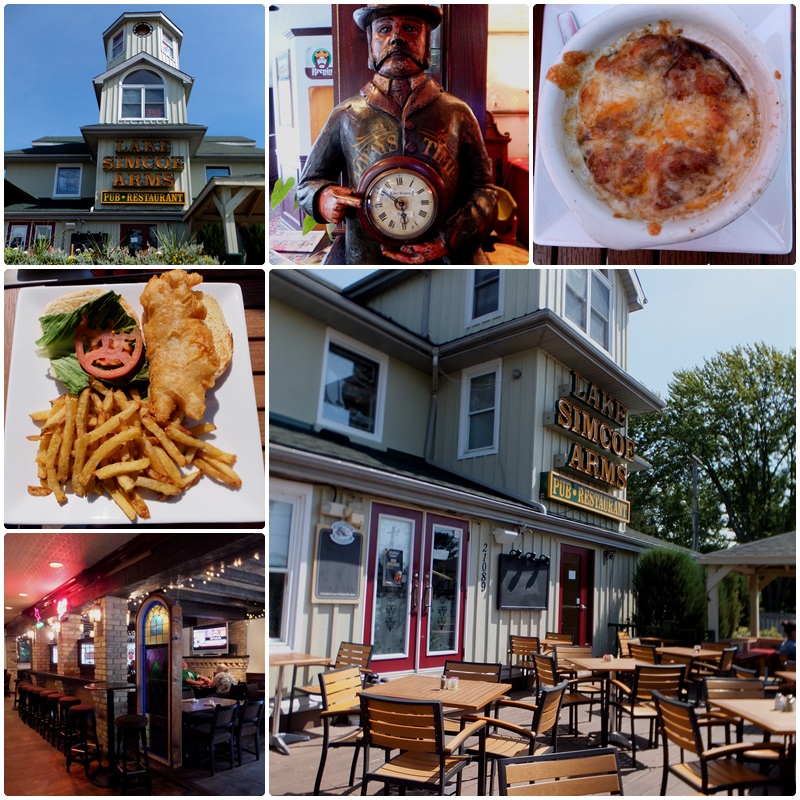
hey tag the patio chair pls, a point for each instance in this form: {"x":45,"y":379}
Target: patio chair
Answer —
{"x":427,"y":759}
{"x":562,"y":654}
{"x":468,"y":671}
{"x":716,"y":769}
{"x":350,"y":654}
{"x":716,"y":669}
{"x":646,"y":653}
{"x":507,"y":740}
{"x":547,"y":676}
{"x":636,"y":700}
{"x":339,"y":689}
{"x":520,"y":655}
{"x":691,"y":679}
{"x":560,"y":638}
{"x":623,"y":638}
{"x":573,"y":774}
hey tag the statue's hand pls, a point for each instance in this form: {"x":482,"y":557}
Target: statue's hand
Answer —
{"x":417,"y":253}
{"x":334,"y":202}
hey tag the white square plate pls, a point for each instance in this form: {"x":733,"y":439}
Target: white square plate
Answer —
{"x":765,"y":228}
{"x":230,"y":405}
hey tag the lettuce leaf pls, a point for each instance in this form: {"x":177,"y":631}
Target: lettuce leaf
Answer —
{"x":57,"y":341}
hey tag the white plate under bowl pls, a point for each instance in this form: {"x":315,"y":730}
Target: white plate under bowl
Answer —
{"x":766,"y":227}
{"x":230,"y":405}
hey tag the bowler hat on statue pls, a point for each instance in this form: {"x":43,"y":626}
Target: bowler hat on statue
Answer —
{"x":430,"y":14}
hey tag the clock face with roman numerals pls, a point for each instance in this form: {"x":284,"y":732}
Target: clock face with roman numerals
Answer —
{"x":401,"y":202}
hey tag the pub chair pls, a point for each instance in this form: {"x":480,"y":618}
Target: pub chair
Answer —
{"x":555,"y":638}
{"x":564,"y":667}
{"x":722,"y":668}
{"x":65,"y":702}
{"x":339,"y":689}
{"x":507,"y":740}
{"x":636,"y":700}
{"x":646,"y":653}
{"x":691,"y":680}
{"x":219,"y":731}
{"x":546,"y":676}
{"x":566,"y":774}
{"x":131,"y":762}
{"x":35,"y":717}
{"x":82,"y":744}
{"x":50,"y":725}
{"x":715,"y":769}
{"x":350,"y":654}
{"x":520,"y":656}
{"x":427,"y":759}
{"x":249,"y":724}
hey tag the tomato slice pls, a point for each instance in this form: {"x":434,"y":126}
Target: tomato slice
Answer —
{"x":107,"y":354}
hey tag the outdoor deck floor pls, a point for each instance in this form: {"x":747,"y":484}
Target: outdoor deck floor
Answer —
{"x":295,"y":774}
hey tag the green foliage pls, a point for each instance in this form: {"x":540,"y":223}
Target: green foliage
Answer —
{"x":280,"y":191}
{"x":212,"y":237}
{"x":731,"y":589}
{"x":254,"y":242}
{"x":669,"y":587}
{"x":737,"y":414}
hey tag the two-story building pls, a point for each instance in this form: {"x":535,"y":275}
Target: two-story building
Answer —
{"x":143,"y":165}
{"x":449,"y":456}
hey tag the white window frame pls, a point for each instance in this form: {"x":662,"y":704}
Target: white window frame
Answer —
{"x":11,"y":234}
{"x":467,"y":375}
{"x":48,"y":236}
{"x":141,"y":87}
{"x":470,"y":299}
{"x":358,"y":348}
{"x":79,"y":167}
{"x":111,"y":54}
{"x":168,"y":41}
{"x":300,"y":496}
{"x":591,"y":274}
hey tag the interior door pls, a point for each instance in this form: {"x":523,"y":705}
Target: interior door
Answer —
{"x":414,"y":614}
{"x":575,"y":594}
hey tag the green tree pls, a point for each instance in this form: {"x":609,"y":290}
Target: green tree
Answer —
{"x":736,"y":413}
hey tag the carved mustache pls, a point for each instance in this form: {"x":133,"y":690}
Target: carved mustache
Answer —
{"x":398,"y":51}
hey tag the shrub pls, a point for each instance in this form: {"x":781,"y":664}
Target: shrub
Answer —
{"x":669,"y":589}
{"x":731,"y":606}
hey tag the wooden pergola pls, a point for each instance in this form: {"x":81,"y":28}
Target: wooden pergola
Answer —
{"x":760,"y":562}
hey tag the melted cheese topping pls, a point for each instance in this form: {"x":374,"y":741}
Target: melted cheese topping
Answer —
{"x":662,"y":124}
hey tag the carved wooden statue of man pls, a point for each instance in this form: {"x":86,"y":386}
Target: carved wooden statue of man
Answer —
{"x":404,"y":113}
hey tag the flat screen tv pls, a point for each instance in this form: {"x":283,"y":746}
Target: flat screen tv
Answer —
{"x":210,"y":640}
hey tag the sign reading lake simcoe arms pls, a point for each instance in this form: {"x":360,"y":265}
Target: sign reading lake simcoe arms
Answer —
{"x":574,"y":415}
{"x":143,"y":166}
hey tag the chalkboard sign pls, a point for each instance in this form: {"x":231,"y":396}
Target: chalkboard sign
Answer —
{"x":522,"y":583}
{"x":338,"y":564}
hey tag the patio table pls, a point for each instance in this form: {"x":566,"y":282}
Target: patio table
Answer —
{"x":609,"y":670}
{"x":786,"y":675}
{"x":281,"y":661}
{"x":761,"y":713}
{"x":470,"y":696}
{"x":690,"y":652}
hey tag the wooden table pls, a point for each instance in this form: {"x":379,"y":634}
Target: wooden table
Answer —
{"x":785,"y":675}
{"x":546,"y":254}
{"x":281,"y":661}
{"x":202,"y":704}
{"x":609,"y":670}
{"x":690,"y":652}
{"x":761,"y":713}
{"x":252,"y":285}
{"x":470,"y":696}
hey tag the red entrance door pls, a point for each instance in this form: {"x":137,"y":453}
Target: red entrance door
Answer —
{"x":138,"y":236}
{"x":415,"y":588}
{"x":575,"y":596}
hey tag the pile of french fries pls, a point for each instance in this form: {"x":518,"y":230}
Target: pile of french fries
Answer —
{"x":105,"y":441}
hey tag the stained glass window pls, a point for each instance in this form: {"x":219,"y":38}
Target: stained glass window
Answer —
{"x":156,"y":626}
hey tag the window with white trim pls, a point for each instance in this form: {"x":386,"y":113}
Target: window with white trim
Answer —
{"x":587,"y":303}
{"x":143,"y":96}
{"x":43,"y":232}
{"x":480,"y":410}
{"x":484,"y":294}
{"x":68,"y":180}
{"x":117,"y":45}
{"x":289,"y":520}
{"x":167,"y":45}
{"x":353,"y":388}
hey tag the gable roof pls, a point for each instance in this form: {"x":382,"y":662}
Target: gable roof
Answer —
{"x":778,"y":550}
{"x":137,"y":60}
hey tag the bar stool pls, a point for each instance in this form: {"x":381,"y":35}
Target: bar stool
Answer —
{"x":52,"y":718}
{"x":64,"y":704}
{"x":131,"y":729}
{"x":22,"y":699}
{"x":44,"y":702}
{"x":35,"y":706}
{"x":84,"y":751}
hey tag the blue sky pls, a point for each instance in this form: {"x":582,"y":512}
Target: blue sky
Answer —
{"x":691,"y":315}
{"x":53,"y":52}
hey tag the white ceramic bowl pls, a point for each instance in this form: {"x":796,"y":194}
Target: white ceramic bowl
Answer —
{"x":720,"y":29}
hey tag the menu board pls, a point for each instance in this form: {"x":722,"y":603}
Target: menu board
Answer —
{"x":338,"y":559}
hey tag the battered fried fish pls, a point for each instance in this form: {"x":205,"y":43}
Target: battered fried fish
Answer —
{"x":180,"y":347}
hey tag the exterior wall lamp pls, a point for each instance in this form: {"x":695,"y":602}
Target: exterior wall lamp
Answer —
{"x":503,"y":536}
{"x":608,"y":555}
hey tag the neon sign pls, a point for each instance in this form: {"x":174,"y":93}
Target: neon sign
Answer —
{"x":62,"y":606}
{"x":37,"y":614}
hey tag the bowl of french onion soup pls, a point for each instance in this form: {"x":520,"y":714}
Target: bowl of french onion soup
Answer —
{"x":661,"y":124}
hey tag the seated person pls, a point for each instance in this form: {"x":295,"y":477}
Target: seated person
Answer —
{"x":191,"y":680}
{"x":789,"y":647}
{"x":222,"y":680}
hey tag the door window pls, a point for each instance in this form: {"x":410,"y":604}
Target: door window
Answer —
{"x":443,"y":581}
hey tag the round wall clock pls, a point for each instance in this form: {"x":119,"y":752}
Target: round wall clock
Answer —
{"x":403,"y":200}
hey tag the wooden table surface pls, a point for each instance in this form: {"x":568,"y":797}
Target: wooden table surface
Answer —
{"x":470,"y":695}
{"x":546,"y":254}
{"x":690,"y":652}
{"x":253,"y":288}
{"x":762,"y":713}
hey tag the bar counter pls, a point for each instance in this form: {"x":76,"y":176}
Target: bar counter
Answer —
{"x":73,"y":684}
